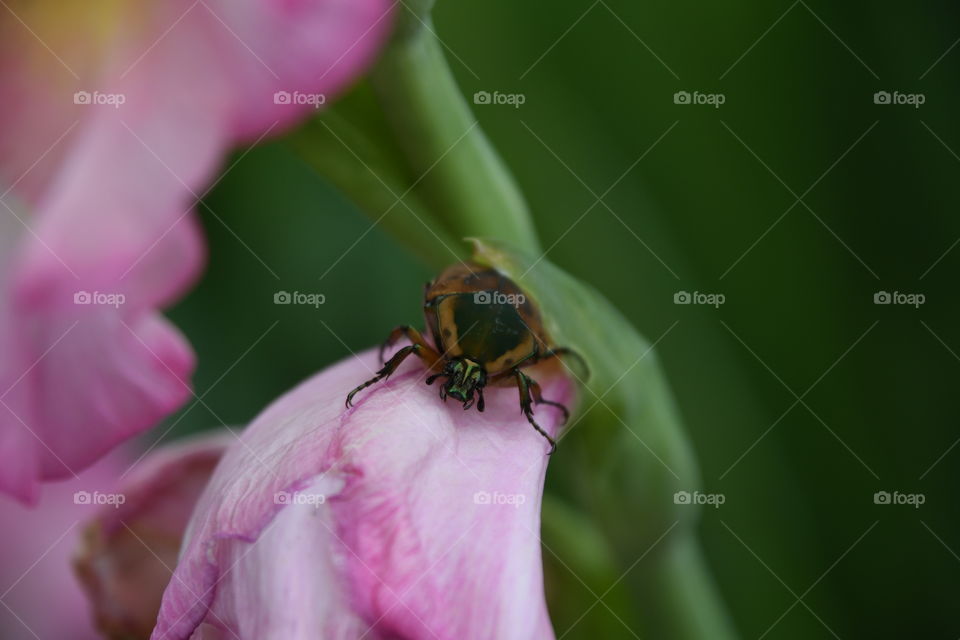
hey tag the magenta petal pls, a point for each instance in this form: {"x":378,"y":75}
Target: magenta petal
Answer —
{"x":406,"y":515}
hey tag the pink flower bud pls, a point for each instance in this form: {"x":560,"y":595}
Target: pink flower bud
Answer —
{"x":402,"y":517}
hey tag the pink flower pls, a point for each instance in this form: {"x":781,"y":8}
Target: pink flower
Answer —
{"x":402,"y":517}
{"x":116,"y":116}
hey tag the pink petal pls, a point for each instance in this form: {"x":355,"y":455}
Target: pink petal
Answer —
{"x":35,"y":565}
{"x":37,"y":109}
{"x":129,"y":548}
{"x":403,"y":540}
{"x":269,"y":41}
{"x":110,"y":208}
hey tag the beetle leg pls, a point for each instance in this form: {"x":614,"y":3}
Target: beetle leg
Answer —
{"x":539,"y":399}
{"x":564,"y":351}
{"x":480,"y":404}
{"x":387,"y":369}
{"x":428,"y":353}
{"x":524,"y":383}
{"x":396,"y":334}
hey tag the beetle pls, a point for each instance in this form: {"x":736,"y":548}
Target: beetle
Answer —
{"x":486,"y":330}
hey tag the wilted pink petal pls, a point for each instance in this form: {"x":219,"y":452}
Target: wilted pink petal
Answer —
{"x":116,"y":117}
{"x":405,"y":517}
{"x":130,"y":547}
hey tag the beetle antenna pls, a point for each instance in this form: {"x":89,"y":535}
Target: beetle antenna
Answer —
{"x":433,"y":377}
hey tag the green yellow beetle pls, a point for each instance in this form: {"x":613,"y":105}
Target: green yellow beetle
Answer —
{"x":485,"y":330}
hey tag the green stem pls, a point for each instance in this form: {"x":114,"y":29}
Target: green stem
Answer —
{"x":681,"y":597}
{"x":461,"y":176}
{"x":366,"y":175}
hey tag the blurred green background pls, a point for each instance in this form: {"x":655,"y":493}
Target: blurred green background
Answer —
{"x":711,"y":207}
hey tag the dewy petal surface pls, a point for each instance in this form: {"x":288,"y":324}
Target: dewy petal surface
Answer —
{"x":405,"y":516}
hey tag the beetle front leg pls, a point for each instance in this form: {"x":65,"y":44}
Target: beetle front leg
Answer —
{"x":428,"y":353}
{"x":387,"y":369}
{"x":524,"y":383}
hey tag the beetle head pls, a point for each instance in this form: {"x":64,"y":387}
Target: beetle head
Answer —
{"x":464,"y":378}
